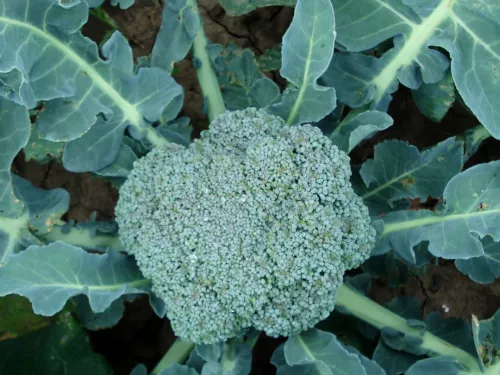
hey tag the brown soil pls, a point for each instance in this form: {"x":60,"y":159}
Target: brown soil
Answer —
{"x":141,"y":337}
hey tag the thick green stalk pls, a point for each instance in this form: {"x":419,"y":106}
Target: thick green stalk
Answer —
{"x":176,"y":354}
{"x":227,"y":362}
{"x":82,"y":238}
{"x":206,"y":73}
{"x":371,"y":312}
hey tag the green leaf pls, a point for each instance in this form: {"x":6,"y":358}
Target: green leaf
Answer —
{"x":177,"y":369}
{"x":486,"y":335}
{"x":45,"y":207}
{"x":392,"y":361}
{"x":307,"y":51}
{"x":239,"y":7}
{"x":18,"y":318}
{"x":237,"y":359}
{"x":471,"y":209}
{"x":42,"y":151}
{"x":405,"y":306}
{"x":180,"y":24}
{"x":90,"y":101}
{"x":456,"y":331}
{"x":483,"y":269}
{"x":472,"y":140}
{"x":394,"y":269}
{"x":399,"y":170}
{"x":242,"y":84}
{"x":14,"y":133}
{"x":124,"y":4}
{"x":178,"y":131}
{"x":435,"y":99}
{"x":320,"y":353}
{"x":48,"y":276}
{"x":271,"y":59}
{"x":60,"y":349}
{"x":467,"y":30}
{"x":371,"y":367}
{"x":353,"y":130}
{"x":96,"y":321}
{"x":42,"y":210}
{"x":436,"y":366}
{"x":122,"y":165}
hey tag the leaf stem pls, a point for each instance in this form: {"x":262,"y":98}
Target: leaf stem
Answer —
{"x":206,"y":73}
{"x":176,"y":354}
{"x":83,"y":238}
{"x":371,"y":312}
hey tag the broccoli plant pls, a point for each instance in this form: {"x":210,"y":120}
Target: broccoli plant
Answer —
{"x":263,"y":226}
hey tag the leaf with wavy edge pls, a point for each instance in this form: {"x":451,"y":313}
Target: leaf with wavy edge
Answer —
{"x":471,"y":211}
{"x":49,"y":275}
{"x":484,"y":269}
{"x":306,"y":53}
{"x":180,"y":24}
{"x":468,"y":30}
{"x":58,"y":64}
{"x":14,"y":134}
{"x":399,"y":170}
{"x":42,"y":209}
{"x":318,"y":352}
{"x":124,"y":4}
{"x":239,"y":7}
{"x":434,"y":100}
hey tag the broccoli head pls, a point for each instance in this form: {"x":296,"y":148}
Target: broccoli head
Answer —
{"x":253,"y":225}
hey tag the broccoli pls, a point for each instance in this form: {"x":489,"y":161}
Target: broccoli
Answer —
{"x":253,"y":225}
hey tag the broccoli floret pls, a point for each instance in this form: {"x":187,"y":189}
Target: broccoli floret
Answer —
{"x":253,"y":225}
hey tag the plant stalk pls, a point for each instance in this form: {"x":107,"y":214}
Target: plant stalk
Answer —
{"x":206,"y":73}
{"x":371,"y":312}
{"x":176,"y":354}
{"x":83,"y":238}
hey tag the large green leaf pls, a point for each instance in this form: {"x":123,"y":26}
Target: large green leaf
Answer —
{"x":471,"y":211}
{"x":399,"y":170}
{"x":435,"y":99}
{"x":14,"y":133}
{"x":468,"y":30}
{"x":483,"y":269}
{"x":18,"y":318}
{"x":306,"y":53}
{"x":42,"y":210}
{"x":48,"y":276}
{"x":318,"y":352}
{"x":239,"y":7}
{"x":124,"y":4}
{"x":60,"y":349}
{"x":242,"y":84}
{"x":90,"y":101}
{"x":180,"y":24}
{"x":444,"y":365}
{"x":354,"y":129}
{"x":392,"y":361}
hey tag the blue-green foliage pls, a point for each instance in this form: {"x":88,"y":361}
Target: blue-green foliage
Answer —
{"x":52,"y":274}
{"x":306,"y":53}
{"x":94,"y":100}
{"x":454,"y":231}
{"x":124,"y":4}
{"x":275,"y":203}
{"x":61,"y":348}
{"x":466,"y":30}
{"x":317,"y":352}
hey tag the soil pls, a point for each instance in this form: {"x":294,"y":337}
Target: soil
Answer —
{"x":141,"y":337}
